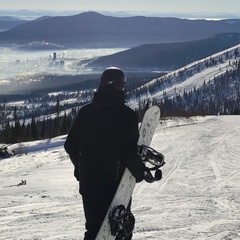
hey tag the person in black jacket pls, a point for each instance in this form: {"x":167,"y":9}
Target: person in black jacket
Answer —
{"x":100,"y":144}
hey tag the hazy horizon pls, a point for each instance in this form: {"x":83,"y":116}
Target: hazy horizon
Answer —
{"x":161,"y":6}
{"x":204,"y":8}
{"x":33,"y":14}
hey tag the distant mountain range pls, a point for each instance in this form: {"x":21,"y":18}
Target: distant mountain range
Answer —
{"x":91,"y":29}
{"x":167,"y":56}
{"x":33,"y":14}
{"x":9,"y":22}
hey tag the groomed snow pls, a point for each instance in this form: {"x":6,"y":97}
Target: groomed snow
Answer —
{"x":198,"y":197}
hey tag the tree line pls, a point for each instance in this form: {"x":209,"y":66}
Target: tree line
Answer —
{"x":218,"y":96}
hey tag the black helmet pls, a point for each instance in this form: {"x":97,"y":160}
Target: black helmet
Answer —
{"x":113,"y":77}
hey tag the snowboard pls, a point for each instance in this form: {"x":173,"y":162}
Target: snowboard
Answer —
{"x":126,"y":186}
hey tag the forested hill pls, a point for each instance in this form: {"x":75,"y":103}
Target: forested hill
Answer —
{"x":209,"y":86}
{"x":168,"y":56}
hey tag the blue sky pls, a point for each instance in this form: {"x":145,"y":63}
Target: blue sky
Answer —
{"x":186,"y":6}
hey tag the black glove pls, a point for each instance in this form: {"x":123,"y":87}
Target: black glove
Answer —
{"x":139,"y":179}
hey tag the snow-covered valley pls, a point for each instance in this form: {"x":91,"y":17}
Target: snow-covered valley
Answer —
{"x":198,"y":197}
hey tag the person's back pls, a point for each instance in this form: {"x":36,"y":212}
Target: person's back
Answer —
{"x":101,"y":143}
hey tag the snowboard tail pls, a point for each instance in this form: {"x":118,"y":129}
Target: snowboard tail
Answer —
{"x":128,"y":182}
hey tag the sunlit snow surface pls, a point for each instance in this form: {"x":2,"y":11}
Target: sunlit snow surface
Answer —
{"x":198,"y":197}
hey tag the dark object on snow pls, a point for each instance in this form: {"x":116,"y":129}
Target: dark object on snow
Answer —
{"x":23,"y":182}
{"x":5,"y":153}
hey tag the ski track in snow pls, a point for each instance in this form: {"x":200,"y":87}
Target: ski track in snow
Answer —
{"x":198,"y":197}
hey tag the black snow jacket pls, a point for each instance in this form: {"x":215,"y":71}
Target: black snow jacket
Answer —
{"x":102,"y":142}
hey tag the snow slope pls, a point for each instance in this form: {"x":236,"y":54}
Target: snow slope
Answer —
{"x":199,"y":74}
{"x":198,"y":197}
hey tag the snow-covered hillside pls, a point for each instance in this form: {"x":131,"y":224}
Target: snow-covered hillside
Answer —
{"x":190,"y":76}
{"x":198,"y":197}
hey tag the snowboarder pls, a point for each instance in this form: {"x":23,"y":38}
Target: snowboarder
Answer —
{"x":100,"y":144}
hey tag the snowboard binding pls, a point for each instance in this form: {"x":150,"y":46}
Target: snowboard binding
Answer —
{"x":121,"y":222}
{"x":156,"y":159}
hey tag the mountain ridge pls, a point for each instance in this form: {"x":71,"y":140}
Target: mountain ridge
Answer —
{"x":167,"y":56}
{"x":7,"y":22}
{"x":91,"y":29}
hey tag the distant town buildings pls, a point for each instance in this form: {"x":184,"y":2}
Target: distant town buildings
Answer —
{"x":54,"y":62}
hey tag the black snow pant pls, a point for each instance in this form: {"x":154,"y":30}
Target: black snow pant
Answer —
{"x":95,"y":212}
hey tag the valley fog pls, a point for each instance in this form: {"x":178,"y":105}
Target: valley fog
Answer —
{"x":14,"y":62}
{"x":22,"y":72}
